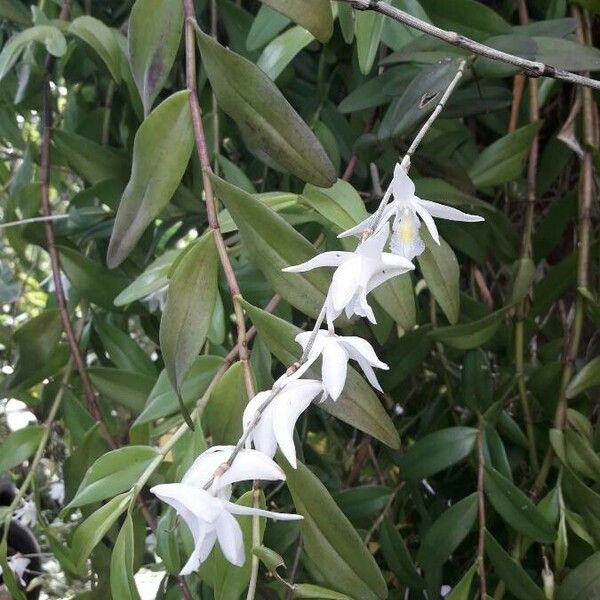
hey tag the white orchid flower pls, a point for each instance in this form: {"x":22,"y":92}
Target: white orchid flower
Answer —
{"x":276,"y":424}
{"x":406,"y":209}
{"x":57,"y":492}
{"x":336,"y":351}
{"x":209,"y":514}
{"x":18,"y":565}
{"x":26,"y":514}
{"x":356,"y":275}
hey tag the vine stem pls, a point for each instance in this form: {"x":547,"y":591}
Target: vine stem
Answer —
{"x":481,"y":510}
{"x":74,"y":349}
{"x":211,"y":201}
{"x":586,"y":194}
{"x":526,"y":253}
{"x":530,"y":68}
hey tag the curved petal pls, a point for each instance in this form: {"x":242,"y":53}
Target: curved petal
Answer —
{"x":204,"y":466}
{"x":344,"y":284}
{"x":229,"y":534}
{"x":403,"y":187}
{"x":373,"y":246}
{"x":263,"y":436}
{"x":201,"y":551}
{"x":357,"y":229}
{"x":251,"y":464}
{"x":325,"y":259}
{"x":369,"y":372}
{"x":253,"y":405}
{"x":288,"y":406}
{"x":238,"y":509}
{"x":428,"y":220}
{"x":334,"y":369}
{"x":441,"y":211}
{"x":358,"y":347}
{"x":191,"y":503}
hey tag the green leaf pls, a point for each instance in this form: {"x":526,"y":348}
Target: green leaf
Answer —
{"x":581,"y":456}
{"x":509,"y":571}
{"x":39,"y":354}
{"x":280,"y":52}
{"x":266,"y":25}
{"x":163,"y":401}
{"x":418,"y":100}
{"x":330,"y":540}
{"x":123,"y":387}
{"x":447,"y":532}
{"x":122,"y":584}
{"x":470,"y":335}
{"x":161,"y":151}
{"x":461,"y":590}
{"x":113,"y":473}
{"x":358,"y":405}
{"x":437,"y":451}
{"x":95,"y":33}
{"x":273,"y":244}
{"x":524,"y":273}
{"x":467,"y":17}
{"x":95,"y":527}
{"x":583,"y":582}
{"x":89,"y":160}
{"x":516,"y":509}
{"x":188,"y":312}
{"x":20,"y":445}
{"x":223,"y":413}
{"x":313,"y":15}
{"x":441,"y":272}
{"x":123,"y":350}
{"x":49,"y":35}
{"x":397,"y":557}
{"x":15,"y":11}
{"x":309,"y":590}
{"x":503,"y":161}
{"x":153,"y":41}
{"x":368,"y":26}
{"x":152,"y":279}
{"x":269,"y":558}
{"x":587,"y":377}
{"x":85,"y":275}
{"x":265,"y":117}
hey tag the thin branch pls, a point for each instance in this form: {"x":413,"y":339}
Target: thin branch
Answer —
{"x":211,"y":201}
{"x":50,"y":241}
{"x":529,"y":67}
{"x":33,"y":220}
{"x":481,"y":510}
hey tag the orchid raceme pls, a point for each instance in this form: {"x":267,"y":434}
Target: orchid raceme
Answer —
{"x":276,"y":424}
{"x":336,"y":351}
{"x":405,"y":209}
{"x":357,"y":274}
{"x":209,"y":514}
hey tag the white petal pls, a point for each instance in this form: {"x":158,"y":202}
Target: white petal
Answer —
{"x":344,"y":284}
{"x":230,"y":539}
{"x":429,"y":222}
{"x":357,"y":346}
{"x":441,"y":211}
{"x":325,"y":259}
{"x":239,"y":509}
{"x":253,"y":405}
{"x":391,"y":266}
{"x":403,"y":187}
{"x":369,"y":372}
{"x":335,"y":367}
{"x":373,"y":246}
{"x":264,"y":436}
{"x":205,"y":465}
{"x":201,"y":551}
{"x":362,"y":226}
{"x":251,"y":464}
{"x":191,"y":503}
{"x":288,"y":406}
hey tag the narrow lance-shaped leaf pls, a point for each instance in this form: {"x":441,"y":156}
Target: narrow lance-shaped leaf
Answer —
{"x":161,"y":151}
{"x":190,"y":303}
{"x":314,"y":15}
{"x":122,"y":584}
{"x":153,"y":40}
{"x":266,"y":118}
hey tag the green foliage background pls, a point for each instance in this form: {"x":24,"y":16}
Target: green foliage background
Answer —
{"x":480,"y":460}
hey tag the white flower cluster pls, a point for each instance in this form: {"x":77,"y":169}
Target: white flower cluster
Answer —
{"x":202,"y":498}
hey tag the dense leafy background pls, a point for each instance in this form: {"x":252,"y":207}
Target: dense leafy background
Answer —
{"x":501,"y":315}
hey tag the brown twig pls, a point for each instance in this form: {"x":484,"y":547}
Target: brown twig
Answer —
{"x":531,"y":68}
{"x":74,"y":349}
{"x":211,"y":202}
